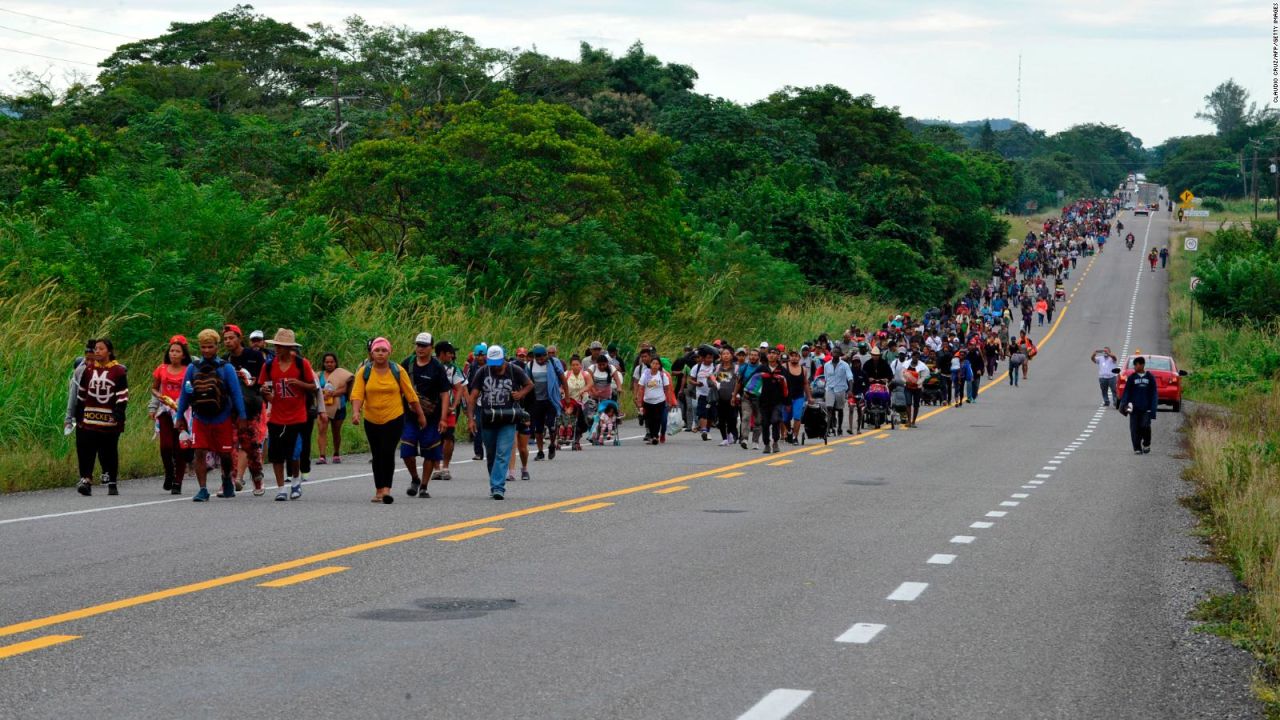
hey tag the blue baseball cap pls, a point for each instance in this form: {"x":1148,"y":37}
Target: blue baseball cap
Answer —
{"x":480,"y":349}
{"x":495,"y":356}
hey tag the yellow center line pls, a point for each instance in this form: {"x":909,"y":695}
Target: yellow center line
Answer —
{"x":588,"y":508}
{"x":668,"y":491}
{"x":38,"y":643}
{"x":823,"y":451}
{"x":470,"y":534}
{"x":254,"y":573}
{"x":882,"y":436}
{"x":778,"y":462}
{"x":303,"y":576}
{"x":859,"y":442}
{"x":730,"y":475}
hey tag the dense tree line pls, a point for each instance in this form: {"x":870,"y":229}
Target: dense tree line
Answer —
{"x":206,"y":161}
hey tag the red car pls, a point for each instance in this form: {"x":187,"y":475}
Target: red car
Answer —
{"x":1168,"y":379}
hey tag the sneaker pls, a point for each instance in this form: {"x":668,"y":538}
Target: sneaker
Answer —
{"x":305,"y":477}
{"x":775,"y":446}
{"x":1146,"y":449}
{"x":295,"y":492}
{"x":662,"y":438}
{"x":413,"y":487}
{"x":511,"y":478}
{"x":168,"y":484}
{"x":239,"y":485}
{"x":766,"y":449}
{"x":85,"y":486}
{"x":1137,"y":452}
{"x":424,"y":495}
{"x":202,"y":495}
{"x":446,"y":475}
{"x":524,"y":474}
{"x":496,"y":496}
{"x":743,"y":444}
{"x":112,"y":489}
{"x":540,"y":456}
{"x":724,"y":442}
{"x":175,"y":489}
{"x":551,"y":451}
{"x":259,"y":492}
{"x":283,"y":495}
{"x":654,"y":441}
{"x":477,"y":458}
{"x":704,"y":436}
{"x":755,"y":445}
{"x":321,"y":461}
{"x":337,"y":459}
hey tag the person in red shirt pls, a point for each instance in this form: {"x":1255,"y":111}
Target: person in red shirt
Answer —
{"x":166,"y":388}
{"x":286,"y":382}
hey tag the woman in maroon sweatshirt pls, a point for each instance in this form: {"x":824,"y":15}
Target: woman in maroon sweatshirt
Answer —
{"x":101,"y":403}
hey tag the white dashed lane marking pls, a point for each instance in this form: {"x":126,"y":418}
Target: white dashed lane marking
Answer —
{"x":907,"y":591}
{"x":860,"y":633}
{"x":776,"y":705}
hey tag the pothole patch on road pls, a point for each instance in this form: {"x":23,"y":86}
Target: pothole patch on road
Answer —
{"x":433,"y":609}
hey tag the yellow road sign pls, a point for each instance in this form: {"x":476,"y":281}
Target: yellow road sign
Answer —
{"x":1186,"y":197}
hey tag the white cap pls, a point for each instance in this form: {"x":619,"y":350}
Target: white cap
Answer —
{"x":256,"y":335}
{"x":424,"y":338}
{"x":764,"y":345}
{"x":496,"y":355}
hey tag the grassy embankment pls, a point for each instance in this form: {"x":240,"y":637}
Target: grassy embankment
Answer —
{"x":40,"y":342}
{"x":1235,"y":464}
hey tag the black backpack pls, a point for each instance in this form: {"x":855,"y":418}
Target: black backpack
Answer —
{"x":208,"y":391}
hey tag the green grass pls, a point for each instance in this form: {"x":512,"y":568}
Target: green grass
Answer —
{"x":1235,"y":463}
{"x":41,"y":340}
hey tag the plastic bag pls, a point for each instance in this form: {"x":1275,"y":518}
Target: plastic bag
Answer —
{"x":675,"y":421}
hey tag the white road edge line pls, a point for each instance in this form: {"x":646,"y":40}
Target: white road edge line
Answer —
{"x":776,"y":705}
{"x":860,"y":633}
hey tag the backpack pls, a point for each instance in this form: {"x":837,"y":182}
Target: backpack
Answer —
{"x":208,"y":391}
{"x":366,"y":369}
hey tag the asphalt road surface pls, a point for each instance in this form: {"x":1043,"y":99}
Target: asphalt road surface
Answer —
{"x":1009,"y":559}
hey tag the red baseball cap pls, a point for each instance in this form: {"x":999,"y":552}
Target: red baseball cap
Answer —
{"x":781,"y":347}
{"x":233,"y":328}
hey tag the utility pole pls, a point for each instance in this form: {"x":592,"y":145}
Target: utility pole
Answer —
{"x":1255,"y":183}
{"x":337,"y":111}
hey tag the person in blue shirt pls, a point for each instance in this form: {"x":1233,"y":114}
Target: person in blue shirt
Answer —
{"x":211,"y":389}
{"x":1140,"y":392}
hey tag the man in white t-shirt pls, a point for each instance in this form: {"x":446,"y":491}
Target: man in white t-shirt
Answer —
{"x":1107,"y":364}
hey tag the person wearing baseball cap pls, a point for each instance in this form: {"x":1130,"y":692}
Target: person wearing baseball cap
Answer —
{"x":469,"y":370}
{"x":497,"y":391}
{"x":250,"y":434}
{"x":431,"y":382}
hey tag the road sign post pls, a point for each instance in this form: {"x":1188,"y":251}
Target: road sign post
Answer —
{"x":1191,"y":301}
{"x":1191,"y":244}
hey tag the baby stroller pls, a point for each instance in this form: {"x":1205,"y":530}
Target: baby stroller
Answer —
{"x":604,"y":427}
{"x":814,"y":422}
{"x":1061,"y":293}
{"x":877,"y":410}
{"x":931,"y":391}
{"x":899,"y":403}
{"x":567,"y":423}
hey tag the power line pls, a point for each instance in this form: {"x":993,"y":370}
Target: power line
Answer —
{"x":57,"y":40}
{"x":46,"y":57}
{"x":60,"y":22}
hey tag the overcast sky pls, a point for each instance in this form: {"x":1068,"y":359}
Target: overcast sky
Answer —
{"x":1139,"y":64}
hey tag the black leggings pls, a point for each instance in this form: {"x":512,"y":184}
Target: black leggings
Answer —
{"x":384,"y":440}
{"x":103,"y":447}
{"x":653,"y":414}
{"x":726,"y":418}
{"x":304,"y":458}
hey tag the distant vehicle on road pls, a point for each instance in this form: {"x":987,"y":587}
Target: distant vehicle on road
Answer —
{"x":1141,"y":209}
{"x":1168,"y":379}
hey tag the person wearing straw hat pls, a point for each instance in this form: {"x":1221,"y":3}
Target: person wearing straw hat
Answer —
{"x":286,"y":382}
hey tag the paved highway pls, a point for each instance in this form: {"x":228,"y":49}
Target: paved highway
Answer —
{"x":1010,"y":559}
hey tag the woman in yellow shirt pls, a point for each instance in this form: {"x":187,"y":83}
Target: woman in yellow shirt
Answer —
{"x":380,"y":392}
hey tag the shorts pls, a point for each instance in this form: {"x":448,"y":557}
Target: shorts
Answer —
{"x":450,"y":433}
{"x":339,"y":416}
{"x":217,"y":438}
{"x":794,"y":410}
{"x":422,"y":442}
{"x":704,"y":407}
{"x":835,"y":399}
{"x":282,"y":440}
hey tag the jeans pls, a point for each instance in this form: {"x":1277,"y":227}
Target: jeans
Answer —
{"x":1108,"y":387}
{"x":477,"y":437}
{"x":498,"y":442}
{"x":750,"y":410}
{"x":1014,"y":372}
{"x":971,"y":388}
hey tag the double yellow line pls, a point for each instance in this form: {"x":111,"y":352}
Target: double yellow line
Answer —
{"x":191,"y":588}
